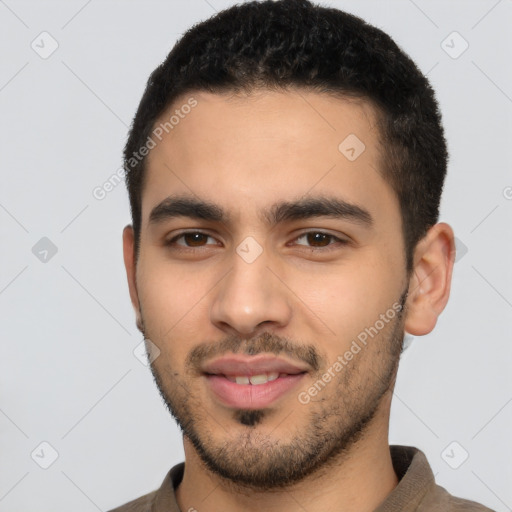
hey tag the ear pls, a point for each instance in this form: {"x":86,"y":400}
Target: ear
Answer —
{"x":429,"y":286}
{"x":131,"y":267}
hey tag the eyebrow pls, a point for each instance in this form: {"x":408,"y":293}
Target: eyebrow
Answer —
{"x":285,"y":211}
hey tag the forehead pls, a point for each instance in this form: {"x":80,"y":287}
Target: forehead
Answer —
{"x":251,"y":151}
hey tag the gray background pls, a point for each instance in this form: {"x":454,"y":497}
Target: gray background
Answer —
{"x":68,"y":373}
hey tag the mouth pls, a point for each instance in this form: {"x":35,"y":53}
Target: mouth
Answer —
{"x":255,"y":380}
{"x":251,"y":382}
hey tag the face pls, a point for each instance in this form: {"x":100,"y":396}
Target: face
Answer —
{"x":271,"y":277}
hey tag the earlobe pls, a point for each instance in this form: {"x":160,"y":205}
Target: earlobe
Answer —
{"x":429,"y":287}
{"x":130,"y":266}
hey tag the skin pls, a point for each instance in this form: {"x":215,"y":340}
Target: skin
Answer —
{"x":302,"y":295}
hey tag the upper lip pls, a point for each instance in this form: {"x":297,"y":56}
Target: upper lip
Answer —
{"x":251,"y":365}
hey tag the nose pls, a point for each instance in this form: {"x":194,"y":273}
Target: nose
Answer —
{"x":250,"y":297}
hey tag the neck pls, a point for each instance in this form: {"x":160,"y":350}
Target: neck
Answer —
{"x":359,"y":481}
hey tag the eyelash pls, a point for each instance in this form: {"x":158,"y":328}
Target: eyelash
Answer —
{"x":186,"y":248}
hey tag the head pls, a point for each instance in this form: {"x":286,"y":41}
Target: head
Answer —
{"x":285,"y":169}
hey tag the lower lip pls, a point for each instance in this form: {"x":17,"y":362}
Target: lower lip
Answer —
{"x":249,"y":396}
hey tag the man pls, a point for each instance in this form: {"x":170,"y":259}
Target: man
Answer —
{"x":285,"y":168}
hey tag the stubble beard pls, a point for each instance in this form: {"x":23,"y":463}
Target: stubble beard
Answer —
{"x":328,"y":426}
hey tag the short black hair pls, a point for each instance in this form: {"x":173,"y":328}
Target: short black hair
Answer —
{"x":279,"y":45}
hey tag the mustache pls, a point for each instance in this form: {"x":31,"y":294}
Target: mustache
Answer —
{"x":263,"y":343}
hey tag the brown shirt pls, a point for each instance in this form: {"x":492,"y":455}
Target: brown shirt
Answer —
{"x":416,"y":490}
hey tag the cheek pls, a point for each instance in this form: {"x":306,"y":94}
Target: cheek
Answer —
{"x":347,"y":298}
{"x":173,"y":302}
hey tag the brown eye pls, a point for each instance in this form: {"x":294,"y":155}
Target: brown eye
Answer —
{"x":318,"y":239}
{"x":195,"y":239}
{"x":190,"y":239}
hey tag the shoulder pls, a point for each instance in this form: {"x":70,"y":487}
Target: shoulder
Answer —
{"x":417,"y":489}
{"x":142,"y":504}
{"x":160,"y":499}
{"x":439,"y":499}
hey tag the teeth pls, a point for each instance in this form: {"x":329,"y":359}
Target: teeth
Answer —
{"x":258,"y":379}
{"x":255,"y":379}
